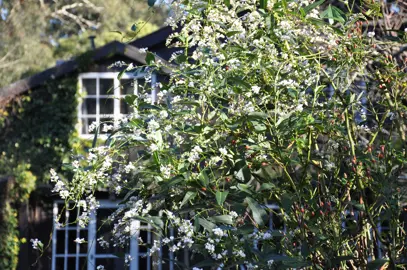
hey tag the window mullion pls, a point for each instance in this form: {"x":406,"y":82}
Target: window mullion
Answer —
{"x":116,"y":99}
{"x":153,"y":88}
{"x":54,"y":236}
{"x":92,"y":241}
{"x":66,"y":240}
{"x":134,"y":245}
{"x":97,"y":100}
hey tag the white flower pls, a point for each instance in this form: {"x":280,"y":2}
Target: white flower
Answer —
{"x":107,"y":127}
{"x":143,"y":50}
{"x":79,"y":240}
{"x":218,"y":232}
{"x":210,"y":247}
{"x":92,"y":126}
{"x":371,"y":34}
{"x":163,"y":114}
{"x":153,"y":125}
{"x":256,"y":89}
{"x":240,"y":253}
{"x":82,"y":204}
{"x":153,"y":147}
{"x":37,"y":244}
{"x":75,"y":164}
{"x":196,"y":268}
{"x":266,"y":235}
{"x":100,"y":267}
{"x":223,"y":151}
{"x":233,"y":214}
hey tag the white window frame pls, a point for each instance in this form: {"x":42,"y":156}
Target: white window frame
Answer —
{"x":115,"y":95}
{"x":91,"y":254}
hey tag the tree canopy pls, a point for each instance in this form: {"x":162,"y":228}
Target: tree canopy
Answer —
{"x":59,"y":30}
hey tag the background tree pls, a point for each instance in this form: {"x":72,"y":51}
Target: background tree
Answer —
{"x":59,"y":30}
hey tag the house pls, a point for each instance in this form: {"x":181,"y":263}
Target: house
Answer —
{"x":45,"y":116}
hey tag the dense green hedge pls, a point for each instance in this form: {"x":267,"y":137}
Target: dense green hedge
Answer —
{"x":37,"y":133}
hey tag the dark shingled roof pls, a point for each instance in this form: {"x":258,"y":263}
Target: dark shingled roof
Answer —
{"x":155,"y":42}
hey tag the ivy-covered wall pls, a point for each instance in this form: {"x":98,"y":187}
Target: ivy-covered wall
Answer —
{"x":37,"y":132}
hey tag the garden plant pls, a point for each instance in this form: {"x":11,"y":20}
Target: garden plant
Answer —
{"x":277,"y":141}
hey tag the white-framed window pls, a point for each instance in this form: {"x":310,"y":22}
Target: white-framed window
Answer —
{"x":69,"y":255}
{"x":102,"y":97}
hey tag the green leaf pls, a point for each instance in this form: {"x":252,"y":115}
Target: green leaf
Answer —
{"x":305,"y":250}
{"x":263,"y":4}
{"x":259,"y":214}
{"x":221,"y":196}
{"x":150,"y":58}
{"x":286,"y":202}
{"x":308,"y":8}
{"x":190,"y":195}
{"x":232,"y":33}
{"x":206,"y":263}
{"x":244,"y":188}
{"x":244,"y":174}
{"x":209,"y":226}
{"x":376,"y":264}
{"x":157,"y":221}
{"x":130,"y":99}
{"x":257,"y":115}
{"x":151,"y":2}
{"x":203,"y":178}
{"x":121,"y":74}
{"x":226,"y":219}
{"x":333,"y":13}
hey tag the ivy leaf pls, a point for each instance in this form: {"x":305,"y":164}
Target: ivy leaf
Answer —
{"x":221,"y":196}
{"x":258,"y":212}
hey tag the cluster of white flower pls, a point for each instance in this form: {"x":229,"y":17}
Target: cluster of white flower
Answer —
{"x":194,"y":155}
{"x":36,"y":244}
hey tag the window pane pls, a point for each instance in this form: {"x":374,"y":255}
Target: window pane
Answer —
{"x":106,"y":106}
{"x":89,"y":86}
{"x":59,"y":264}
{"x":143,"y":87}
{"x":89,"y":106}
{"x":106,"y":87}
{"x":125,"y":108}
{"x":60,"y":242}
{"x":112,"y":263}
{"x":127,"y":86}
